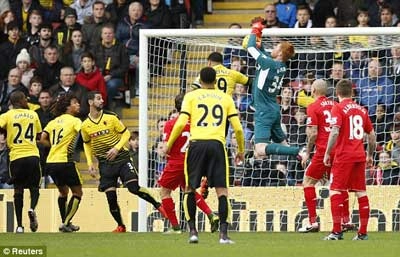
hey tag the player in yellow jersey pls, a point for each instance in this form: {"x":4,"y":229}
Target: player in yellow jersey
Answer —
{"x":208,"y":110}
{"x":60,"y":135}
{"x":106,"y":137}
{"x":22,"y":127}
{"x":226,"y":79}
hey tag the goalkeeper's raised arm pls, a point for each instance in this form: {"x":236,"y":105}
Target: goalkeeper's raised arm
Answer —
{"x":266,"y":86}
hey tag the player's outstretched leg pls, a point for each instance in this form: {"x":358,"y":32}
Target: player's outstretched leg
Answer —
{"x":143,"y":193}
{"x":280,"y":149}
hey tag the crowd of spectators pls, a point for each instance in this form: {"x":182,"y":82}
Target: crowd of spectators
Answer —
{"x":53,"y":47}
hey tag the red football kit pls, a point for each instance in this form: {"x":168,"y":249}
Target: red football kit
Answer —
{"x":319,"y":114}
{"x":348,"y":168}
{"x":173,"y":175}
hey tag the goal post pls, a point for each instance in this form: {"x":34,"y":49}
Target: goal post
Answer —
{"x":171,"y":59}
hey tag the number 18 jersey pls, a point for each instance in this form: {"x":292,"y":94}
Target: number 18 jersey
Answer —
{"x":353,"y":121}
{"x":22,"y":126}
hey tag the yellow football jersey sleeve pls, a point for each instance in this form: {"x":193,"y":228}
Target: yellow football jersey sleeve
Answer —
{"x":22,"y":127}
{"x":63,"y":132}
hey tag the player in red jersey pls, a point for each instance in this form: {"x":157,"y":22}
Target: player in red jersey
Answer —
{"x":318,"y":128}
{"x":349,"y":123}
{"x":173,"y":175}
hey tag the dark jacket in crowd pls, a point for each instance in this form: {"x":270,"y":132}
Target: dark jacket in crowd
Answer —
{"x":119,"y":61}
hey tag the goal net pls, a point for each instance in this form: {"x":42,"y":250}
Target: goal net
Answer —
{"x":267,"y":193}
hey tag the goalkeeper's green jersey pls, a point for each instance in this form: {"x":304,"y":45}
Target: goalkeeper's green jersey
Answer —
{"x":269,"y":77}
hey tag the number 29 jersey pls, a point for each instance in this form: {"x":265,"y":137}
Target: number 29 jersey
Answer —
{"x":353,"y":121}
{"x":208,"y":111}
{"x":22,"y":126}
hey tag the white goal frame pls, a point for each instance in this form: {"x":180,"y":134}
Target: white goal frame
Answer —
{"x":193,"y":33}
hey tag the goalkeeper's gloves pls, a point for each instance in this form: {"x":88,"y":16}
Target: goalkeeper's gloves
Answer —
{"x":257,"y":25}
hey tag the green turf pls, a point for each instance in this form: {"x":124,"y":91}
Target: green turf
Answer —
{"x":247,"y":245}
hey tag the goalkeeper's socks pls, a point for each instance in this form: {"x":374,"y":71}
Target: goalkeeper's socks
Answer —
{"x":281,"y":149}
{"x":336,"y":210}
{"x":201,"y":203}
{"x":311,"y":202}
{"x":363,"y":208}
{"x":345,"y":212}
{"x":62,"y":206}
{"x":189,"y":207}
{"x":169,"y":207}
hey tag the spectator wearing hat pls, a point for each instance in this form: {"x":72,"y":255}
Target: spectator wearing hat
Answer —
{"x":10,"y":49}
{"x":23,"y":63}
{"x":45,"y":39}
{"x":63,"y":33}
{"x":4,"y":6}
{"x":83,"y":9}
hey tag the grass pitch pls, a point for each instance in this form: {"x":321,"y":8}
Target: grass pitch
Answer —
{"x":247,"y":245}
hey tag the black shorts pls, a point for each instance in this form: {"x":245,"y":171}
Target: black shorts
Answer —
{"x":64,"y":173}
{"x":207,"y":158}
{"x":25,"y":172}
{"x":110,"y":172}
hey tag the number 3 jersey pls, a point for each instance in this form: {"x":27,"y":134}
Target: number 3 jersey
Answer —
{"x":353,"y":121}
{"x":319,"y":114}
{"x":22,"y":126}
{"x":177,"y":153}
{"x":62,"y":132}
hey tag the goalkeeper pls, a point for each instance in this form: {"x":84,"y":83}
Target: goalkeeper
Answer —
{"x":266,"y":86}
